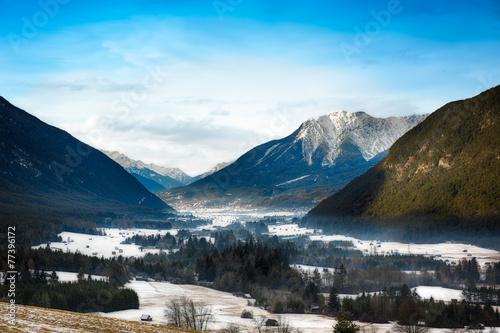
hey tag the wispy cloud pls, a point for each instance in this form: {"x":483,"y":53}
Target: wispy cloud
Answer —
{"x":226,"y":86}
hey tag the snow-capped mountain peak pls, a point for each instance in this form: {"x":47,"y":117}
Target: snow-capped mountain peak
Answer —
{"x":317,"y":159}
{"x":370,"y":135}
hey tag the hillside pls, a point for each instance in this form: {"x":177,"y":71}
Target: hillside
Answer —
{"x":48,"y":175}
{"x":298,"y":171}
{"x":37,"y":320}
{"x":445,"y":169}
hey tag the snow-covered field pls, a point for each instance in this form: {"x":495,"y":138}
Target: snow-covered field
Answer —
{"x":72,"y":277}
{"x":450,"y":252}
{"x":246,"y":215}
{"x":289,"y":230}
{"x":310,"y":268}
{"x":425,"y":292}
{"x":105,"y":245}
{"x":439,"y":293}
{"x":227,"y":308}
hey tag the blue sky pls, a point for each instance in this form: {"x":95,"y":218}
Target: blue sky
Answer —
{"x":192,"y":83}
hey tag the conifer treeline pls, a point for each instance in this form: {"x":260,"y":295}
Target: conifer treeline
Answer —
{"x":402,"y":305}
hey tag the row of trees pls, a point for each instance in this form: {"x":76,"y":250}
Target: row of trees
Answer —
{"x":482,"y":295}
{"x":402,"y":305}
{"x":116,"y":269}
{"x":85,"y":295}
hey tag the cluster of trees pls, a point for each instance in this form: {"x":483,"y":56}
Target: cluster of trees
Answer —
{"x":162,"y":242}
{"x":261,"y":267}
{"x":482,"y":295}
{"x":184,"y":313}
{"x":402,"y":305}
{"x":241,"y":266}
{"x":228,"y":264}
{"x":329,"y":254}
{"x":133,"y":223}
{"x":160,"y":267}
{"x":374,"y":272}
{"x":46,"y":259}
{"x":493,"y":274}
{"x":466,"y":272}
{"x":34,"y":287}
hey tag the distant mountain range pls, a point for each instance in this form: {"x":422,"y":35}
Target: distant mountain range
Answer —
{"x":157,"y":178}
{"x":214,"y":169}
{"x":319,"y":158}
{"x":44,"y":170}
{"x":446,"y":170}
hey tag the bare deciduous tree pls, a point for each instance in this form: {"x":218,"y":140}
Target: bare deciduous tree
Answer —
{"x":231,"y":329}
{"x":183,"y":313}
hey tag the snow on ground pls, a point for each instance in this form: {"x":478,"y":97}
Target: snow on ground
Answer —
{"x":246,"y":215}
{"x":293,"y":180}
{"x":292,"y":229}
{"x":331,"y":238}
{"x":310,"y":268}
{"x":72,"y":277}
{"x":425,"y":292}
{"x":105,"y":245}
{"x":439,"y":293}
{"x":226,"y":307}
{"x":450,"y":252}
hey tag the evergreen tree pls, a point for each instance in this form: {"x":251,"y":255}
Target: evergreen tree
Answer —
{"x":81,"y":275}
{"x":340,"y":277}
{"x":333,"y":305}
{"x":53,"y":278}
{"x":345,"y":324}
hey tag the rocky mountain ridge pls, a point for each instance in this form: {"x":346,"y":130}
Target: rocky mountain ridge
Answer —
{"x":320,"y":157}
